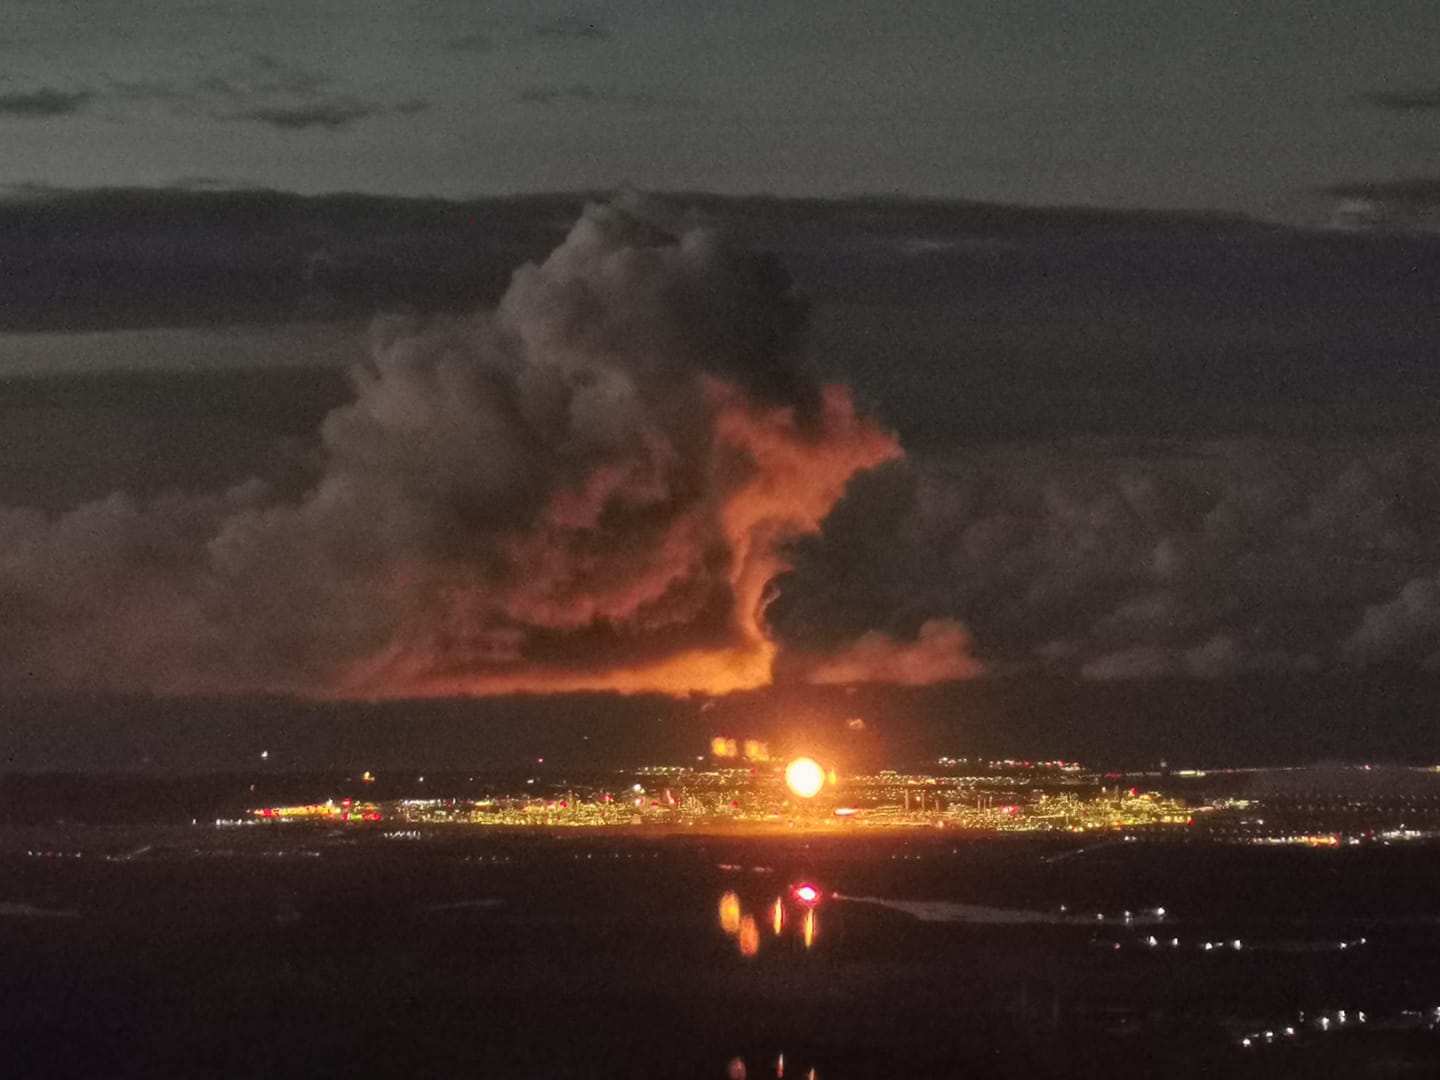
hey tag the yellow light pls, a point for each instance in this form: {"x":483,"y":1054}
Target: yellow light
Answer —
{"x":730,"y":913}
{"x":749,"y":936}
{"x":778,"y":915}
{"x":804,"y":777}
{"x":809,"y":928}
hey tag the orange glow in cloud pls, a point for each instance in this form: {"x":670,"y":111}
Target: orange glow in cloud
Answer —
{"x":774,"y":479}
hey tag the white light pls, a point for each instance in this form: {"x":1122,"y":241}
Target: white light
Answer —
{"x":804,"y":777}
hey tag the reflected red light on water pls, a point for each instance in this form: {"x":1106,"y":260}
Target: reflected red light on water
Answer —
{"x":730,"y":913}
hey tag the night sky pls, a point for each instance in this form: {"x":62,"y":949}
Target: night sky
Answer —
{"x":1200,"y":105}
{"x":996,"y":371}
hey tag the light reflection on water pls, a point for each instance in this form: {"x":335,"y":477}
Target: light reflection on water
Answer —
{"x":744,"y":927}
{"x":730,"y":913}
{"x":737,"y":1069}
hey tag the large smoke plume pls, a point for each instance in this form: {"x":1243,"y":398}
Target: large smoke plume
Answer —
{"x":590,"y":487}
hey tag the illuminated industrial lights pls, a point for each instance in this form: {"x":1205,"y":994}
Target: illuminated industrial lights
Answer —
{"x":806,"y":894}
{"x":804,"y":777}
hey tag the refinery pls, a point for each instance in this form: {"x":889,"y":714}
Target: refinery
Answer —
{"x":803,"y":795}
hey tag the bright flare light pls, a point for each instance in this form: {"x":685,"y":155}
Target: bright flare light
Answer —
{"x":806,"y":894}
{"x":804,"y":777}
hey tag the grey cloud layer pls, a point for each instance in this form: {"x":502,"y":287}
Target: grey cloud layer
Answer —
{"x":44,"y":103}
{"x":1405,"y":101}
{"x":1199,"y":561}
{"x":262,"y":89}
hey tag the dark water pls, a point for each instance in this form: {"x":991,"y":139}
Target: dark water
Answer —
{"x":275,"y":953}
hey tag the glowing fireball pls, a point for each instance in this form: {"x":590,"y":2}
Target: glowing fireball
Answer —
{"x":804,"y":777}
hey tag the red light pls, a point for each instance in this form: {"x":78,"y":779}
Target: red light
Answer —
{"x":806,"y":894}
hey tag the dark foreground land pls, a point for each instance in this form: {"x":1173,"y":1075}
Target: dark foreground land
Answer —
{"x":307,"y":953}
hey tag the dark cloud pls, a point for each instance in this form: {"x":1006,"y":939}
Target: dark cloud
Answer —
{"x":1113,"y":562}
{"x":1399,"y":101}
{"x":549,"y":95}
{"x":335,"y":115}
{"x":1405,"y":628}
{"x":1416,"y":191}
{"x":471,"y":43}
{"x":43,"y":103}
{"x":940,"y":652}
{"x":572,"y":28}
{"x":584,"y":93}
{"x":261,"y":89}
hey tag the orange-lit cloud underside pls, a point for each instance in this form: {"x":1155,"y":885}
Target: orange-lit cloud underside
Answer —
{"x":773,"y":479}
